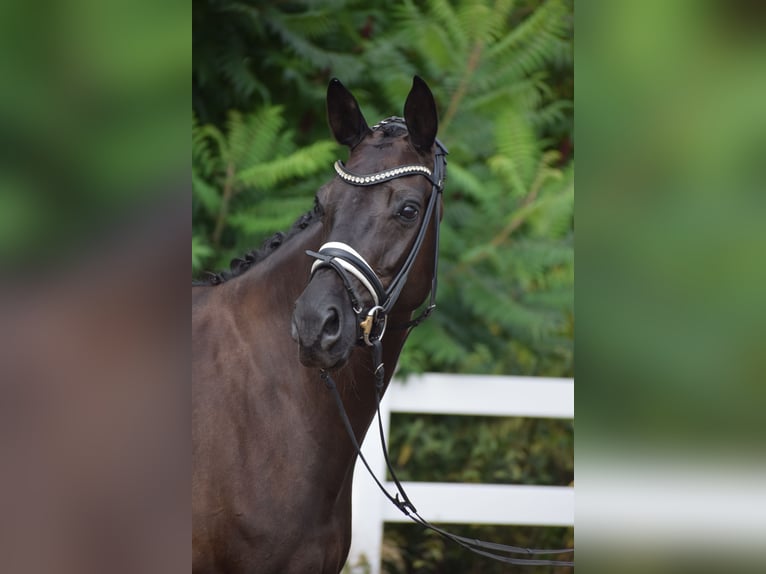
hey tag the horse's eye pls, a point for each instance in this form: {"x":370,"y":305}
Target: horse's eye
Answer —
{"x":408,"y":212}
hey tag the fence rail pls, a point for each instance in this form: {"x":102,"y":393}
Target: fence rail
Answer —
{"x":453,"y":502}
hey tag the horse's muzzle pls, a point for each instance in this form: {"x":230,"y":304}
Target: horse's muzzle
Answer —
{"x":324,"y":325}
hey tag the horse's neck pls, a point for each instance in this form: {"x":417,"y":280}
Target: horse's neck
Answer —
{"x":267,"y":294}
{"x":356,"y":381}
{"x":273,"y":285}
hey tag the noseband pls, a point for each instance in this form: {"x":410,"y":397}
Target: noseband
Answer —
{"x":347,"y":262}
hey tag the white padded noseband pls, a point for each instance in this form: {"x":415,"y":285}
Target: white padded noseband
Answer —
{"x":348,"y":267}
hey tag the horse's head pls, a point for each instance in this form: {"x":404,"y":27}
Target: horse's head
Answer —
{"x":380,"y":228}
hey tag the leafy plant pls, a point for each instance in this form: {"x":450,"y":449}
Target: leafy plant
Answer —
{"x":231,"y":171}
{"x":508,"y":264}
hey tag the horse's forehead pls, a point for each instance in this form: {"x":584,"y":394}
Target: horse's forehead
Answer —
{"x":379,"y":151}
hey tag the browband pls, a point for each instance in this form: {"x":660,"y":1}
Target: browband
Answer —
{"x":381,"y":176}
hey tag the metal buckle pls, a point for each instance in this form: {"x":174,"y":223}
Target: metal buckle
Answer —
{"x":370,"y":322}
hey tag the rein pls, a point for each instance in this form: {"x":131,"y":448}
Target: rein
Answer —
{"x":372,"y":322}
{"x":405,"y":505}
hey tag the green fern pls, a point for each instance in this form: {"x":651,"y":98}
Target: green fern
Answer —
{"x":301,"y":163}
{"x":231,"y":169}
{"x":201,"y":252}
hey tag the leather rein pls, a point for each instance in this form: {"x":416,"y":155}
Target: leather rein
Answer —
{"x":372,"y":325}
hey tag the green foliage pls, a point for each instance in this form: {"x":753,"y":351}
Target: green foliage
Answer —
{"x":200,"y":251}
{"x":501,"y":72}
{"x":507,"y":265}
{"x":408,"y":548}
{"x":232,"y":169}
{"x":250,"y":53}
{"x":483,"y":449}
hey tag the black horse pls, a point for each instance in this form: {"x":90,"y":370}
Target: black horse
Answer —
{"x":272,"y":463}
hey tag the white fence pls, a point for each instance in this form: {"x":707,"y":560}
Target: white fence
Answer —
{"x":460,"y":503}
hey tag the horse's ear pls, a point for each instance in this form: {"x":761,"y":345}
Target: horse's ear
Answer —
{"x":420,"y":115}
{"x":346,"y":119}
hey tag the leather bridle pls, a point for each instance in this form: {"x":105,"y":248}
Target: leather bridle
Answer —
{"x":347,"y":262}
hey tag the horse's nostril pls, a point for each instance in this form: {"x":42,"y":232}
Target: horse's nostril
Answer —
{"x":332,"y":324}
{"x":331,"y":329}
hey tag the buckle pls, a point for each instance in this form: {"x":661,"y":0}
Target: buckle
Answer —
{"x":373,"y":321}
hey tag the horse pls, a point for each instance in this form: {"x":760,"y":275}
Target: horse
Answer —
{"x":332,"y":299}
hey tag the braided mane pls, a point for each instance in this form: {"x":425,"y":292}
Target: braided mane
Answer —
{"x":240,"y":265}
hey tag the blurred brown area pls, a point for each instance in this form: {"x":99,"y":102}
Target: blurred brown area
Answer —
{"x":94,"y":405}
{"x":94,"y":232}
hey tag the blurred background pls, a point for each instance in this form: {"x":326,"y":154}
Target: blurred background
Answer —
{"x":671,"y":240}
{"x":94,"y":231}
{"x":90,"y":125}
{"x":670,"y":285}
{"x":502,"y":76}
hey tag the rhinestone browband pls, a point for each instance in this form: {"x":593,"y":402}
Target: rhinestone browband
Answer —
{"x":381,"y":176}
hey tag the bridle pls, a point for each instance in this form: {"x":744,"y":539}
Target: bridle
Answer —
{"x":347,"y":262}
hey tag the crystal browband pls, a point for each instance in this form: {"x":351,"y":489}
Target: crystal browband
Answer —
{"x":381,"y":176}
